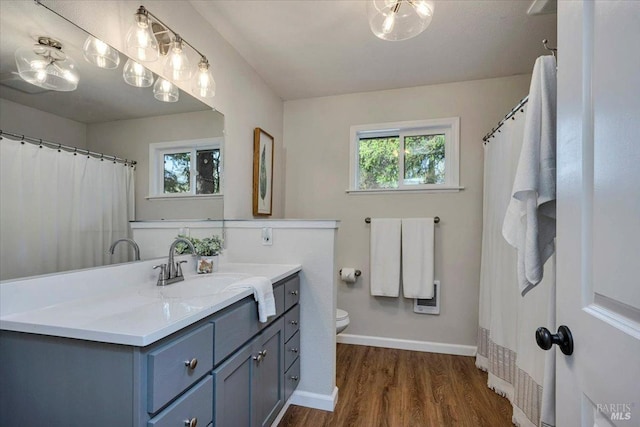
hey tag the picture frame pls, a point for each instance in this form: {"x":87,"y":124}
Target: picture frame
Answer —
{"x":263,"y":145}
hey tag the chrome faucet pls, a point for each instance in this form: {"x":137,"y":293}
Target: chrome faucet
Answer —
{"x":136,"y":248}
{"x":172,"y":272}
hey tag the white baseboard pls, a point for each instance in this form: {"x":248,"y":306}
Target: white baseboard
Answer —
{"x":324,"y":402}
{"x":426,"y":346}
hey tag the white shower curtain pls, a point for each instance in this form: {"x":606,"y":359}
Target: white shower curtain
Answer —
{"x":60,"y":211}
{"x":506,"y":336}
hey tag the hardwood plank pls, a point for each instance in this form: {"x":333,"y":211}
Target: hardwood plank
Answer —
{"x":398,"y":388}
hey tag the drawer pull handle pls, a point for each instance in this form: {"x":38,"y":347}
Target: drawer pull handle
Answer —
{"x":193,"y":422}
{"x":293,"y":350}
{"x":294,"y":322}
{"x":261,"y":355}
{"x":294,"y":378}
{"x":294,"y":292}
{"x":264,"y":354}
{"x":191,"y":364}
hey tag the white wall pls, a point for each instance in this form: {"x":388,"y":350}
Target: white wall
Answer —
{"x":311,"y":244}
{"x":17,"y":118}
{"x":316,"y":135}
{"x":130,"y":139}
{"x":242,"y":96}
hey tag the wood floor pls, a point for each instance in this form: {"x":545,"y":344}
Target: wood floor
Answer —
{"x":396,"y":388}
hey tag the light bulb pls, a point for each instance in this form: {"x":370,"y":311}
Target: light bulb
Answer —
{"x":136,"y":75}
{"x":203,"y":85}
{"x":387,"y":25}
{"x":141,"y":42}
{"x":177,"y":65}
{"x":423,"y":8}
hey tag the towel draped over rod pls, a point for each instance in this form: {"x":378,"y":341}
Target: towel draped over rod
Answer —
{"x":436,"y":219}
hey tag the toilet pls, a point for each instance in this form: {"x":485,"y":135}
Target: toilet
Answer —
{"x":342,"y":320}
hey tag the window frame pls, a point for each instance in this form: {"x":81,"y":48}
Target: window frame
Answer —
{"x":450,"y":127}
{"x":157,"y":151}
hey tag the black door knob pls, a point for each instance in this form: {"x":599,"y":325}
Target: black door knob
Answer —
{"x":563,"y":339}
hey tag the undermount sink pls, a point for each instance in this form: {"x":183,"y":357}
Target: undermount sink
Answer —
{"x":195,"y":286}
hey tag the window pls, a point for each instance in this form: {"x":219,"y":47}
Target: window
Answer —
{"x":417,"y":155}
{"x":185,"y":168}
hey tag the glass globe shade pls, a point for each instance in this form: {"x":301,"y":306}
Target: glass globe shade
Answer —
{"x":136,"y":75}
{"x":397,"y":20}
{"x":100,"y":54}
{"x":165,"y":91}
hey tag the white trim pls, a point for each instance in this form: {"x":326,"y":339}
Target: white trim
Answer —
{"x":324,"y":402}
{"x":185,"y":196}
{"x":425,"y":346}
{"x":435,"y":189}
{"x":178,"y":223}
{"x":282,"y":223}
{"x":289,"y":402}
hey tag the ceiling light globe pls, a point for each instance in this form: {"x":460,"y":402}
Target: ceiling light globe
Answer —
{"x":397,"y":20}
{"x":165,"y":91}
{"x":100,"y":54}
{"x":47,"y":67}
{"x":135,"y":74}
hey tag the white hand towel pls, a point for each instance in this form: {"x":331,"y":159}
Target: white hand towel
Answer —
{"x":262,"y":293}
{"x":529,"y":224}
{"x":385,"y":257}
{"x":417,"y":257}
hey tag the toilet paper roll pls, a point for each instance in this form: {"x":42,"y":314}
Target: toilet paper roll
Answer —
{"x":348,"y":275}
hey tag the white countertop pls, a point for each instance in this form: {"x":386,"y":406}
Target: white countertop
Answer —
{"x":132,"y":314}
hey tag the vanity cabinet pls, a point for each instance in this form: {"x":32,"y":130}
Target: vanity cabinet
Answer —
{"x":226,"y":370}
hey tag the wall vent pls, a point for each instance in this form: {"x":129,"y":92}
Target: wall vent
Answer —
{"x":430,"y":305}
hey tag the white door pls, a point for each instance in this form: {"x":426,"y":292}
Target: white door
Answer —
{"x":598,"y":243}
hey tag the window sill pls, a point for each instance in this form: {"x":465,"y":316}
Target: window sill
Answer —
{"x":184,"y":196}
{"x":442,"y":189}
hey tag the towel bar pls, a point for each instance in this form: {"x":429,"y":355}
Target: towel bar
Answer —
{"x":435,"y":220}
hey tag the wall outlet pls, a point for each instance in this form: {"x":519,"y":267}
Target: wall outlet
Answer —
{"x":267,"y":236}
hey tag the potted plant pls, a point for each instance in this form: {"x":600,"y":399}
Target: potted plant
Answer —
{"x":207,"y":251}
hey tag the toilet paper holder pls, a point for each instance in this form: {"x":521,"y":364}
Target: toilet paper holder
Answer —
{"x":358,"y":272}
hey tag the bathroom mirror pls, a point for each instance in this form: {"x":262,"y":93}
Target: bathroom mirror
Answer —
{"x":104,"y":115}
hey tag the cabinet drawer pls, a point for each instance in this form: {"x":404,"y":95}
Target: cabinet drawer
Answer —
{"x":291,"y":379}
{"x":291,"y":350}
{"x":168,"y":367}
{"x":291,"y":322}
{"x":291,"y":292}
{"x":196,"y":403}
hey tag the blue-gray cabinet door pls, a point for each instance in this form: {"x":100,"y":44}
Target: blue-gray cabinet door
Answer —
{"x":269,"y":390}
{"x":233,"y":387}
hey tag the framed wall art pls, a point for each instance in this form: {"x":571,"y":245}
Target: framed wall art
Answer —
{"x":262,"y":172}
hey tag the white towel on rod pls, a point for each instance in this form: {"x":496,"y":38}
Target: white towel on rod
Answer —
{"x":417,"y":257}
{"x":530,"y":222}
{"x":262,"y":293}
{"x":385,"y":257}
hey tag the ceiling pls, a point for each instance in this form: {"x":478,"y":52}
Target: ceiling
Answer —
{"x":307,"y":48}
{"x":101,"y":96}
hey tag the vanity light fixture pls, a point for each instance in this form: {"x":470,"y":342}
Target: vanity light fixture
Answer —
{"x":399,"y":19}
{"x":147,"y":39}
{"x":47,"y":66}
{"x":100,"y":54}
{"x":141,"y":42}
{"x":165,"y":91}
{"x":137,"y":75}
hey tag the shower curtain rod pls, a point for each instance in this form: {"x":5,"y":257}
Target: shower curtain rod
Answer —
{"x":68,"y":148}
{"x":509,"y":115}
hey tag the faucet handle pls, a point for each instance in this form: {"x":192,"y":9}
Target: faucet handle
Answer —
{"x":162,"y":278}
{"x":179,"y":268}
